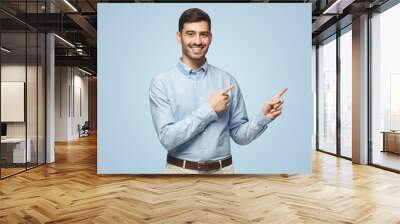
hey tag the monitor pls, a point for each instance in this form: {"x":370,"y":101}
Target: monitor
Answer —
{"x":3,"y":129}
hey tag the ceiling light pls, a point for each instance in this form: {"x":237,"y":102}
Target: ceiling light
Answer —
{"x":329,"y":9}
{"x":84,"y":71}
{"x":65,"y":41}
{"x":70,"y":5}
{"x":79,"y":51}
{"x":5,"y":50}
{"x":337,"y":7}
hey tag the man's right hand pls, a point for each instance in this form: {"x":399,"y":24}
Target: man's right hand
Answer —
{"x":219,"y":101}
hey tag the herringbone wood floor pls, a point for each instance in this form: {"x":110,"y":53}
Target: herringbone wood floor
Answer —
{"x":70,"y":191}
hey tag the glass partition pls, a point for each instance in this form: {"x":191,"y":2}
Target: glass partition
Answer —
{"x":22,"y":77}
{"x":14,"y":153}
{"x":32,"y":95}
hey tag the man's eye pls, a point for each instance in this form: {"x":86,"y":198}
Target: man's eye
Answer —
{"x":204,"y":34}
{"x":190,"y":34}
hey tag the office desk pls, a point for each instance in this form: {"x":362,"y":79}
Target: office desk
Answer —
{"x":391,"y":141}
{"x":13,"y":150}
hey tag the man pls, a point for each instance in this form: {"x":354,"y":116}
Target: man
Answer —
{"x":196,"y":107}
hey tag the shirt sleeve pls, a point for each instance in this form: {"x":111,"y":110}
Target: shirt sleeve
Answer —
{"x":171,"y":132}
{"x":242,"y":130}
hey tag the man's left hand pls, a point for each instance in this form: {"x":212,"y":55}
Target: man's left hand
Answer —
{"x":273,"y":108}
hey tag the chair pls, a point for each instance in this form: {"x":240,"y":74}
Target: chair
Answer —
{"x":84,"y":130}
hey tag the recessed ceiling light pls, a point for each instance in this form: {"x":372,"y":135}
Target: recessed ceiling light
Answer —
{"x":5,"y":50}
{"x":70,"y":5}
{"x":84,"y":71}
{"x":338,"y":6}
{"x":64,"y":40}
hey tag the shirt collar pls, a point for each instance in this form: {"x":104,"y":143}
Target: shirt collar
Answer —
{"x":188,"y":71}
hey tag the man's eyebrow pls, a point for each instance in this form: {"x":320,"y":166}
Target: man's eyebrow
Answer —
{"x":193,"y":31}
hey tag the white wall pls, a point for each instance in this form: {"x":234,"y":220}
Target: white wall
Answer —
{"x":70,"y":83}
{"x":79,"y":117}
{"x":62,"y":81}
{"x":33,"y":127}
{"x":15,"y":72}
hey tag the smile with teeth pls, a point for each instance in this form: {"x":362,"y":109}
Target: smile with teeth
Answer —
{"x":196,"y":48}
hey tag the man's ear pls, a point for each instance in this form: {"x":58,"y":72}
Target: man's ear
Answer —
{"x":210,"y":38}
{"x":178,"y":36}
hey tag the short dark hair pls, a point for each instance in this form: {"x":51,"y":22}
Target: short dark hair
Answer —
{"x":194,"y":15}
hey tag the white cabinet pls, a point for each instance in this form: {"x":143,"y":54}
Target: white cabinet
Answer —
{"x":18,"y":149}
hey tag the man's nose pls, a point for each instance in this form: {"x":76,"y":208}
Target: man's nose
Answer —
{"x":197,"y":39}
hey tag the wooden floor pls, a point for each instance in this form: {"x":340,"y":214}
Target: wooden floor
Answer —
{"x":387,"y":159}
{"x":5,"y":172}
{"x":70,"y":191}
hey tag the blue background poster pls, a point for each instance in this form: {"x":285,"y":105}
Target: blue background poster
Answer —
{"x":266,"y":47}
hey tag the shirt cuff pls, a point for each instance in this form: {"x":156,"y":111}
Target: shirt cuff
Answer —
{"x":206,"y":112}
{"x":262,"y":120}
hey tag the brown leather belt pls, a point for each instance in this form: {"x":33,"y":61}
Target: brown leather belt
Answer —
{"x":201,"y":166}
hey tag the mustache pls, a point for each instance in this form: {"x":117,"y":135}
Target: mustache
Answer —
{"x":196,"y":45}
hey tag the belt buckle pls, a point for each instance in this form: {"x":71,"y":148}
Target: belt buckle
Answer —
{"x":199,"y":164}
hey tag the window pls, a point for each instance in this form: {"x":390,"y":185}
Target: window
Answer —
{"x":385,"y":89}
{"x":346,"y":92}
{"x":327,"y":95}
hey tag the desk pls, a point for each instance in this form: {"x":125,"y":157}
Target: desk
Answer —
{"x":391,"y":141}
{"x":13,"y":150}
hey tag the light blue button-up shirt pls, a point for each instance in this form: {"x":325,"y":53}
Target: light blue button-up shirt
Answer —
{"x":186,"y":124}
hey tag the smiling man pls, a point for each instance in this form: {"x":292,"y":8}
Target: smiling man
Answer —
{"x":197,"y":107}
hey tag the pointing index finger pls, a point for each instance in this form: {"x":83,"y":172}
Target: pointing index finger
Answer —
{"x":229,"y":88}
{"x":280,"y":94}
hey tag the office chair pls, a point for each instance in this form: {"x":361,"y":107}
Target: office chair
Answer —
{"x":84,"y":130}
